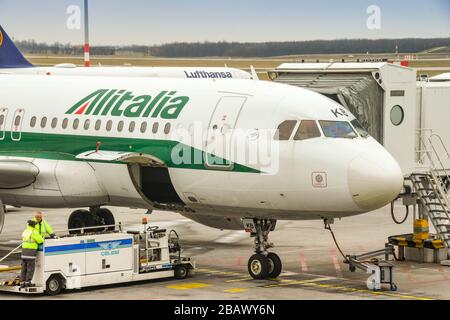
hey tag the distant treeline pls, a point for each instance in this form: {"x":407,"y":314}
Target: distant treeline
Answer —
{"x":248,"y":49}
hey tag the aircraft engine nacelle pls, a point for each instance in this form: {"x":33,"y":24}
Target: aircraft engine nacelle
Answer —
{"x":216,"y":221}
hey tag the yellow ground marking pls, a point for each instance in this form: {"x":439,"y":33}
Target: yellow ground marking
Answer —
{"x":188,"y":286}
{"x":376,"y":293}
{"x":235,"y":290}
{"x":285,"y":282}
{"x":10,"y":269}
{"x":240,"y":279}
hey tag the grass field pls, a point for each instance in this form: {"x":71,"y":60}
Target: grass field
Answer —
{"x":260,"y":64}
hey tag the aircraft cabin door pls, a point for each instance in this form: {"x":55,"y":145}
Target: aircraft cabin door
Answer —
{"x":3,"y":115}
{"x":16,"y":129}
{"x":220,"y":132}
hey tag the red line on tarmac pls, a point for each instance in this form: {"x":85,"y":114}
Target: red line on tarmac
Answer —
{"x":336,"y":263}
{"x":303,"y":264}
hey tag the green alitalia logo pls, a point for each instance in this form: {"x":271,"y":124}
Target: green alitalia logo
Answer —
{"x":119,"y":102}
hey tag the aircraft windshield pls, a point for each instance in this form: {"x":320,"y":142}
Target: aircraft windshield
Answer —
{"x":337,"y":129}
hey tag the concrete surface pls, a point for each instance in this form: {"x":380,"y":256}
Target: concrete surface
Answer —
{"x":312,"y":266}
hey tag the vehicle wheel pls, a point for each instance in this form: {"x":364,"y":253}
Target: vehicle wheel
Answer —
{"x":393,"y":287}
{"x":54,"y":285}
{"x":181,"y":272}
{"x":80,"y":219}
{"x":258,"y":266}
{"x":106,"y":218}
{"x":275,"y":265}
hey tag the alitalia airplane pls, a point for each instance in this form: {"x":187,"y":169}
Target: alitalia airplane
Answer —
{"x":237,"y":154}
{"x":13,"y":62}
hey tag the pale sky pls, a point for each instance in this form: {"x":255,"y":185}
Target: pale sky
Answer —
{"x":147,"y":22}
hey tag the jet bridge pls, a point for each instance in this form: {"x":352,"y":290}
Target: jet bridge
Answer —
{"x":380,"y":95}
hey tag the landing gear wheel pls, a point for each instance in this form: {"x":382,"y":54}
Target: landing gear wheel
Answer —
{"x":352,"y":268}
{"x":258,"y":266}
{"x":80,"y":219}
{"x":105,"y":217}
{"x":181,"y":272}
{"x":54,"y":285}
{"x":276,"y":265}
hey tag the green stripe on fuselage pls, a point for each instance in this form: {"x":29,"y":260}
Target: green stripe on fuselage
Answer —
{"x":66,"y":147}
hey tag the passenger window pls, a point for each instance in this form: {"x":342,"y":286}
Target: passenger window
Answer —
{"x":143,"y":127}
{"x":109,"y":125}
{"x":65,"y":123}
{"x":87,"y":123}
{"x":98,"y":123}
{"x":285,"y":129}
{"x":32,"y":121}
{"x":337,"y":129}
{"x":307,"y":130}
{"x":167,"y":128}
{"x":76,"y":122}
{"x":359,"y":128}
{"x":43,"y":122}
{"x":155,"y":127}
{"x":120,"y":126}
{"x":131,"y":126}
{"x":54,"y":122}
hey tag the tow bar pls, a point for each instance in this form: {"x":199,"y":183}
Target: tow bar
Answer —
{"x":381,"y":270}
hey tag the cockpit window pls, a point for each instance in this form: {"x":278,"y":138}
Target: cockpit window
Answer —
{"x":307,"y":130}
{"x":359,"y":128}
{"x":337,"y":129}
{"x":285,"y":129}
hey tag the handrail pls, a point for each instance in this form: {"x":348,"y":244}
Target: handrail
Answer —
{"x":90,"y":228}
{"x":11,"y":252}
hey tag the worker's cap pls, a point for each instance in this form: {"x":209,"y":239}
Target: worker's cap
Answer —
{"x":31,"y":223}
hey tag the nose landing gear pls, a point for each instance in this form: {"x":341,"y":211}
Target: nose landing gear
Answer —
{"x":262,"y":264}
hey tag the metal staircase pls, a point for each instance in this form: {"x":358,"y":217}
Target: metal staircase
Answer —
{"x":433,"y":187}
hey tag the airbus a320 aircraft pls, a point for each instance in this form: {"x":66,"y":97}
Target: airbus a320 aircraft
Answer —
{"x":188,"y":147}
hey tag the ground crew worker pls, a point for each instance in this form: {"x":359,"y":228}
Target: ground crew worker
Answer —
{"x":43,"y":227}
{"x":31,"y":241}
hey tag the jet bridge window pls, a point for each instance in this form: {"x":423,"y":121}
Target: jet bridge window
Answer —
{"x":285,"y":130}
{"x":359,"y":128}
{"x":307,"y":130}
{"x":337,"y":129}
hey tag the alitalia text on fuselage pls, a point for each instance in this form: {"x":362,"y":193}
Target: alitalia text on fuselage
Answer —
{"x":165,"y":104}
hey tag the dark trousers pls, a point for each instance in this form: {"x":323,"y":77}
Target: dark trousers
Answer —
{"x":27,"y":272}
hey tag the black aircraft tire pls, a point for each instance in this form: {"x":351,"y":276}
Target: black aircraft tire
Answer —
{"x":80,"y":219}
{"x":276,"y":265}
{"x":258,"y":266}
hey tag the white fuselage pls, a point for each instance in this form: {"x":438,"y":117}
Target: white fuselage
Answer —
{"x":303,"y":179}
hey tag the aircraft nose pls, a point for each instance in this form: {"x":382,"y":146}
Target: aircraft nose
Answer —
{"x":374,"y":179}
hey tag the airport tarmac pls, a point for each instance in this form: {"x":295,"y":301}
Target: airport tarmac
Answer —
{"x":312,"y":266}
